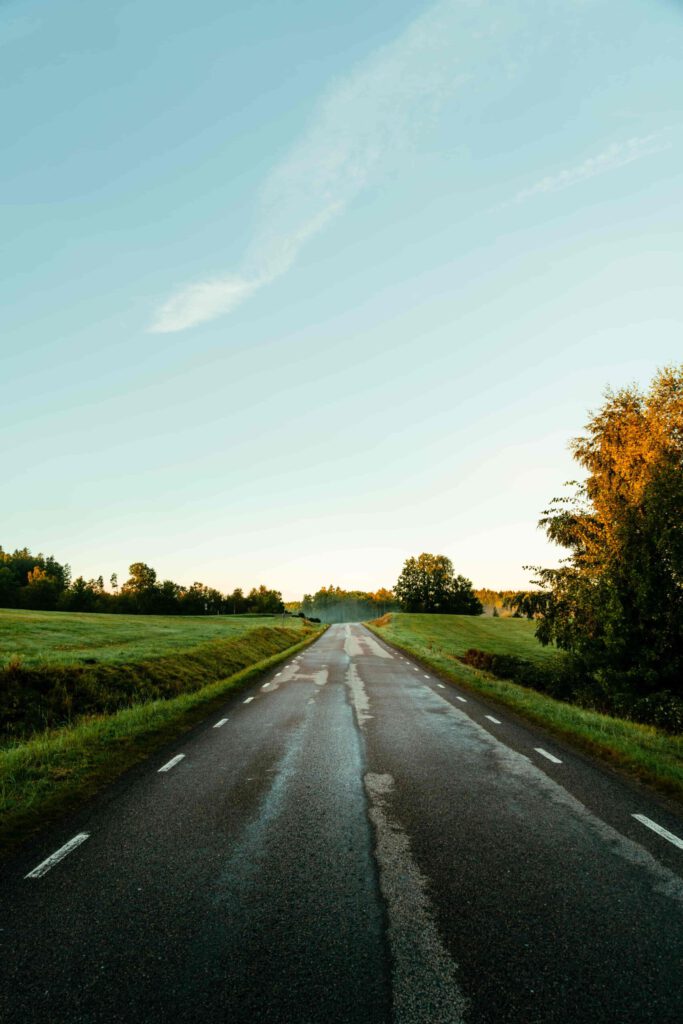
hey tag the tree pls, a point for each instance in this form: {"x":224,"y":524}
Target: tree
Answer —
{"x":41,"y":591}
{"x":236,"y":603}
{"x":428,"y":584}
{"x":265,"y":601}
{"x":528,"y":603}
{"x":140,"y":591}
{"x":9,"y":588}
{"x":81,"y":596}
{"x":616,"y":601}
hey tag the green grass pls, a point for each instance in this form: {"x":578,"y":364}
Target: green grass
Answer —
{"x":641,"y":751}
{"x":56,"y":770}
{"x":455,"y":634}
{"x":67,"y":638}
{"x":62,"y":666}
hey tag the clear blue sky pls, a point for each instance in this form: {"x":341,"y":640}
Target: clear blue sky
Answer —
{"x":294,"y":290}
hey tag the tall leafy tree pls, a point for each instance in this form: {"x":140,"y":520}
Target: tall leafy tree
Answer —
{"x":616,"y":601}
{"x":428,"y":584}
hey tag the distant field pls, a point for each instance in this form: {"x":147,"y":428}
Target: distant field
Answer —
{"x":455,"y":634}
{"x":67,"y":638}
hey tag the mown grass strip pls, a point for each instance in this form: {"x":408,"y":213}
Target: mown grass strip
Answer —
{"x":55,"y":771}
{"x":641,"y":751}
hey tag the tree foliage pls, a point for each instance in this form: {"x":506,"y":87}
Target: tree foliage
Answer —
{"x":616,"y":601}
{"x":34,"y":581}
{"x":428,"y":584}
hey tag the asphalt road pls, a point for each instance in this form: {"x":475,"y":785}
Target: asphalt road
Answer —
{"x":352,"y":840}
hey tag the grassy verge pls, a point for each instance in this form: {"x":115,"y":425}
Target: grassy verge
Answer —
{"x":458,"y":633}
{"x":52,"y":684}
{"x":69,"y":638}
{"x":56,"y":770}
{"x":642,"y":751}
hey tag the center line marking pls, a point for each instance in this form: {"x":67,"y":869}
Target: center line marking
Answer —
{"x":219,"y":724}
{"x":174,"y":760}
{"x":659,"y":830}
{"x":461,"y":699}
{"x":58,"y":855}
{"x":544,"y":753}
{"x":492,"y":719}
{"x":248,"y":700}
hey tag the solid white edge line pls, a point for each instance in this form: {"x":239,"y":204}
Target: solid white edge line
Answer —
{"x":248,"y":700}
{"x":492,"y":719}
{"x":544,"y":753}
{"x":169,"y":764}
{"x":219,"y":724}
{"x":58,"y":855}
{"x":659,"y":830}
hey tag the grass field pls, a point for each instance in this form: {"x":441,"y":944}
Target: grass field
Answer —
{"x":642,"y":751}
{"x":68,"y":638}
{"x":192,"y":663}
{"x":455,"y":634}
{"x":57,"y":666}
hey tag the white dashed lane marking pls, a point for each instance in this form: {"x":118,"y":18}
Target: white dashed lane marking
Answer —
{"x":492,"y":719}
{"x":550,"y":757}
{"x":248,"y":700}
{"x":461,"y":699}
{"x":441,"y":686}
{"x":58,"y":855}
{"x":659,"y":830}
{"x":219,"y":724}
{"x":169,"y":764}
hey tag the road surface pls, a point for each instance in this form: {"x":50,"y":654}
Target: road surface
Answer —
{"x":352,"y":840}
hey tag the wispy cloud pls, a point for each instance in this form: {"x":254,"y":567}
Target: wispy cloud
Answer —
{"x":617,"y":155}
{"x":365,"y":121}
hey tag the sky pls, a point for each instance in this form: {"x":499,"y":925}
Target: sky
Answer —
{"x":291,"y":291}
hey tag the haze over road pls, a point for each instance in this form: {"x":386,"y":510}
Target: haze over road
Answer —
{"x":351,"y":840}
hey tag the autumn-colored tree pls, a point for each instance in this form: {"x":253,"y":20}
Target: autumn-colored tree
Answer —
{"x":41,"y":591}
{"x":616,"y":602}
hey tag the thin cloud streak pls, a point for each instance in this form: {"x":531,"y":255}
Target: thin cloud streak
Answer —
{"x":365,"y":122}
{"x":617,"y":155}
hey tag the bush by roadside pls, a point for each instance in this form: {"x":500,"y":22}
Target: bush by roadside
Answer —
{"x":563,"y":681}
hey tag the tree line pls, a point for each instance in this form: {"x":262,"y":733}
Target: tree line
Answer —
{"x":42,"y":583}
{"x":426,"y":584}
{"x":334,"y":604}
